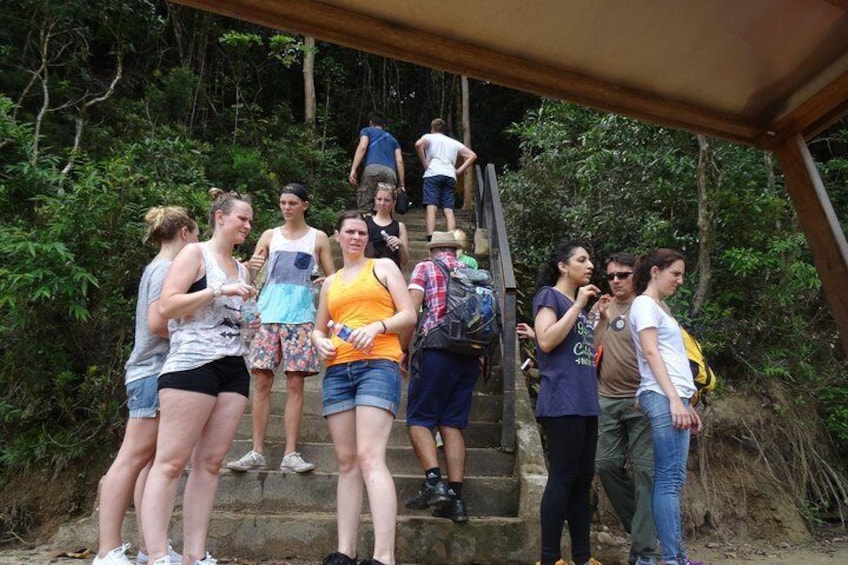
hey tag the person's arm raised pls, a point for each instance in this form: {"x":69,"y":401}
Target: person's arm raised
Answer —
{"x":187,"y":268}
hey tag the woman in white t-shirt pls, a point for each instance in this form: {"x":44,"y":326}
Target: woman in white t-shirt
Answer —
{"x":665,"y":390}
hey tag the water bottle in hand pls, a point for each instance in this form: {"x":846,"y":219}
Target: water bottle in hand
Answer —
{"x":386,"y":239}
{"x":340,"y":330}
{"x":249,"y":311}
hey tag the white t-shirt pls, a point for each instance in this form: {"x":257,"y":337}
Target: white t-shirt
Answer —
{"x":646,"y":313}
{"x":442,"y":151}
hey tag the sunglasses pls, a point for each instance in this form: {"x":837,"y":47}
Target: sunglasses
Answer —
{"x":624,"y":275}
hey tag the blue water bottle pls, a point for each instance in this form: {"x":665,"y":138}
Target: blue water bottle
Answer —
{"x":340,"y":330}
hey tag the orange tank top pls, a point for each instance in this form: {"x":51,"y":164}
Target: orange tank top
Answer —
{"x":356,"y":304}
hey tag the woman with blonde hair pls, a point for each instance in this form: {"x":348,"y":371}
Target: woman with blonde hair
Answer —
{"x":203,"y":386}
{"x":169,"y":228}
{"x":369,"y":304}
{"x":386,"y":236}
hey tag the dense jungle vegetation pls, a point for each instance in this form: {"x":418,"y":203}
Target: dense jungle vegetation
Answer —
{"x":109,"y":107}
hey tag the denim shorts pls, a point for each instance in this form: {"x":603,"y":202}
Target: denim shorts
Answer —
{"x":440,"y":191}
{"x":372,"y":382}
{"x":143,"y":397}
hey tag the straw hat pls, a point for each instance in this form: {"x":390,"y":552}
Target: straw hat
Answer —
{"x":443,"y":239}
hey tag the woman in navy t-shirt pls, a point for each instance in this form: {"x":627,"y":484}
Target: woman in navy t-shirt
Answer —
{"x":567,"y":407}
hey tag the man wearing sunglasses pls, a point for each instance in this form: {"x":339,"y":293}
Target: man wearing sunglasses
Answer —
{"x":623,"y":431}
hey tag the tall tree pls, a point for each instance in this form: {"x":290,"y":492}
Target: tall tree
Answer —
{"x":309,"y":103}
{"x":468,"y":200}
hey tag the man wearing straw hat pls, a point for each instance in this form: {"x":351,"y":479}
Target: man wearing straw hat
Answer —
{"x":440,"y":389}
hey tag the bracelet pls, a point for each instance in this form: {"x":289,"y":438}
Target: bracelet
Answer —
{"x":385,"y":329}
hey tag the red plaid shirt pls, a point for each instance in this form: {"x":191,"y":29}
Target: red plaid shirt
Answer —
{"x":429,"y":279}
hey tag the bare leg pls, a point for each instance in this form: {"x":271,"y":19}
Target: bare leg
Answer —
{"x":424,"y":446}
{"x":261,"y":407}
{"x":454,"y":453}
{"x":294,"y":409}
{"x":116,"y":487}
{"x":430,"y":218}
{"x":373,"y":427}
{"x":202,"y":485}
{"x":138,"y":496}
{"x":183,"y":415}
{"x":349,"y":490}
{"x":450,"y":219}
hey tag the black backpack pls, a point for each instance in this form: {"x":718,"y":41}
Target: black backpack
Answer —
{"x":472,"y":324}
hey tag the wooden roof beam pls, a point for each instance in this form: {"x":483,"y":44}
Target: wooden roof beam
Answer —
{"x":820,"y":224}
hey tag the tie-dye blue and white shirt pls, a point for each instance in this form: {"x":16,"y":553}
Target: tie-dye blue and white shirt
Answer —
{"x":287,"y":295}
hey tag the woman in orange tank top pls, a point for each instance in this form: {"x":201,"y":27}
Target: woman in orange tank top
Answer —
{"x":361,"y":388}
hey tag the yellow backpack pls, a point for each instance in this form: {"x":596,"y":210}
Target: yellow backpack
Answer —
{"x":705,"y":378}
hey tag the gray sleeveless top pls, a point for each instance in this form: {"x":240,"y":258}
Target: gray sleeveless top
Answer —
{"x":213,"y":331}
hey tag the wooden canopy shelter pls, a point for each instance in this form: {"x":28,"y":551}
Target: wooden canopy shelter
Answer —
{"x":766,"y":73}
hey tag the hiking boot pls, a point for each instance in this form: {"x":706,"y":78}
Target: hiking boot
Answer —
{"x":453,"y":510}
{"x":294,"y":463}
{"x":248,"y":461}
{"x":116,"y":556}
{"x":175,"y":558}
{"x":338,"y":558}
{"x":429,"y":496}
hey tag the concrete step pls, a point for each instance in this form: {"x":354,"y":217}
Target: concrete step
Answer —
{"x":484,"y":407}
{"x":313,"y":429}
{"x":262,"y":492}
{"x":482,"y":462}
{"x":312,"y":535}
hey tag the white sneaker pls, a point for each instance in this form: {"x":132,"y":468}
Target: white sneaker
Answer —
{"x":250,"y":460}
{"x":115,"y":557}
{"x":174,"y":558}
{"x":208,"y":560}
{"x":294,"y":463}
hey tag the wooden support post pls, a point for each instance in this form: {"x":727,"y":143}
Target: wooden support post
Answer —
{"x":824,"y":234}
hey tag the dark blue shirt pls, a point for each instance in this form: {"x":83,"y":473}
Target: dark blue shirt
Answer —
{"x":569,"y":384}
{"x":381,"y":147}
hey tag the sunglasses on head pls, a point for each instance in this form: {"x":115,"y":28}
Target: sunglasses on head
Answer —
{"x":624,"y":275}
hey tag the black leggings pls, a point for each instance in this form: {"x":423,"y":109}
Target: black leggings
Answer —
{"x":572,"y":442}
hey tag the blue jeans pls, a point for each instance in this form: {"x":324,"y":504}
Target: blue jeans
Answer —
{"x":671,"y":450}
{"x":368,"y":382}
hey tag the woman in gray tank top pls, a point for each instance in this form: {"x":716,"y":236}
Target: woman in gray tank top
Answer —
{"x":170,"y":228}
{"x":203,"y":385}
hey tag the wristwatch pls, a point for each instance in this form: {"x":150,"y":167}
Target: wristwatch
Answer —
{"x":216,"y":291}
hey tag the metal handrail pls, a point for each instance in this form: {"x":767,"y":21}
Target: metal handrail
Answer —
{"x":489,"y":214}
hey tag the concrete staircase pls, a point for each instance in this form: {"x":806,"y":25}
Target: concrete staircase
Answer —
{"x":271,"y":515}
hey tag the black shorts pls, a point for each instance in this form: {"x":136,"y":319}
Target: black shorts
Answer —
{"x":228,"y":374}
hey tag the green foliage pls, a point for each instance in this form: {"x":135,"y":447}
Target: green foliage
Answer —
{"x":626,"y":186}
{"x":836,"y":400}
{"x":72,"y":260}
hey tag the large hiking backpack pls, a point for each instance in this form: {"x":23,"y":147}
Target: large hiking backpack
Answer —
{"x":705,"y":379}
{"x":471,"y":325}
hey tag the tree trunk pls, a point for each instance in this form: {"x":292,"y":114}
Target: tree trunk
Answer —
{"x":704,"y":265}
{"x":309,"y":103}
{"x":468,"y":175}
